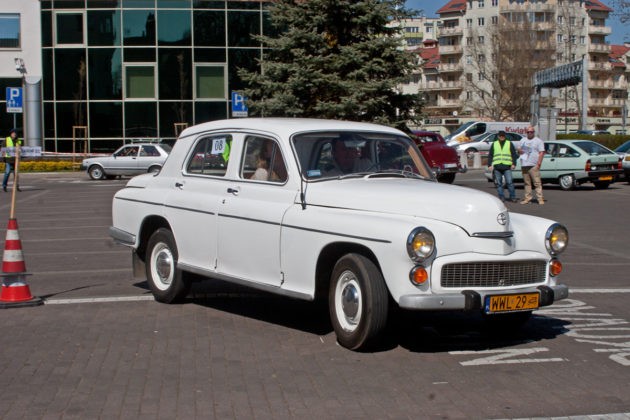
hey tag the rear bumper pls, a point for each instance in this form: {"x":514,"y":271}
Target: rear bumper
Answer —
{"x":471,"y":300}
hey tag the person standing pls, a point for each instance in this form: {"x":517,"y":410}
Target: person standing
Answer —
{"x":532,"y":151}
{"x":501,"y":161}
{"x":9,"y":161}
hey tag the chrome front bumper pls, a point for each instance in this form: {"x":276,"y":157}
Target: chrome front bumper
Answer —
{"x":471,"y":300}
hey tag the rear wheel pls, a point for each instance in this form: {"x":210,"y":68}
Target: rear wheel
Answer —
{"x":471,"y":150}
{"x":567,"y":182}
{"x":601,"y":185}
{"x":358,"y":302}
{"x":446,"y":178}
{"x":96,"y":172}
{"x":167,"y":283}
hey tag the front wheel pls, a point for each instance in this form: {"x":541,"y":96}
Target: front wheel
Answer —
{"x":601,"y":185}
{"x":358,"y":302}
{"x":96,"y":173}
{"x":167,"y":283}
{"x":567,"y":182}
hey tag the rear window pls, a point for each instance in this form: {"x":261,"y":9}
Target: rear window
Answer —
{"x":211,"y":156}
{"x":429,"y":138}
{"x":592,"y":148}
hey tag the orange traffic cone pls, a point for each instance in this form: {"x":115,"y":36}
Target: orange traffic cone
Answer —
{"x":15,"y":291}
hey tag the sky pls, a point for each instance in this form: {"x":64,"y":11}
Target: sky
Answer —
{"x":617,"y":36}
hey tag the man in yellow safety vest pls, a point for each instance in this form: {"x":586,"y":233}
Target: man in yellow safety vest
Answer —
{"x":501,"y":161}
{"x":9,"y":161}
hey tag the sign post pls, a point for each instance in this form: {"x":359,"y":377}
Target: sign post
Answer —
{"x":15,"y":102}
{"x":239,"y":105}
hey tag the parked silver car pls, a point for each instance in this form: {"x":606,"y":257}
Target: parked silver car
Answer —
{"x":483,"y":142}
{"x":624,"y":152}
{"x":131,"y":159}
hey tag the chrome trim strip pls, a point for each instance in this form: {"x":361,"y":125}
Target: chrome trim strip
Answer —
{"x":384,"y":241}
{"x":122,"y":237}
{"x":165,"y":205}
{"x":230,"y":216}
{"x":493,"y":235}
{"x":244,"y":282}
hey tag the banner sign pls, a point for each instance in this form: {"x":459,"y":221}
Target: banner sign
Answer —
{"x":25,"y":151}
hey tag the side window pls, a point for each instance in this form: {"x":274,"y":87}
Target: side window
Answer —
{"x":210,"y":156}
{"x":566,"y":151}
{"x":513,"y":137}
{"x":262,"y":160}
{"x":550,"y":149}
{"x":149,"y":151}
{"x":128,"y":151}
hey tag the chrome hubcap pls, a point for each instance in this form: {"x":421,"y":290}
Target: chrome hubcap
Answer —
{"x":163,"y":265}
{"x":348,"y":306}
{"x":350,"y":301}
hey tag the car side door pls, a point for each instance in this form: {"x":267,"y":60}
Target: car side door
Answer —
{"x":548,"y":167}
{"x":149,"y":155}
{"x":251,"y":210}
{"x":123,"y":161}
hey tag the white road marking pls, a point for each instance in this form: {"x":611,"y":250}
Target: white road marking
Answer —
{"x":616,"y":416}
{"x":571,"y":290}
{"x":504,"y":356}
{"x":98,"y":300}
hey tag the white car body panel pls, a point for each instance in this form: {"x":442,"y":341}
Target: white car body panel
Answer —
{"x":260,"y":234}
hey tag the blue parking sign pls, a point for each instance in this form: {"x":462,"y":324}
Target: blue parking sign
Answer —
{"x":14,"y":100}
{"x":239,"y":105}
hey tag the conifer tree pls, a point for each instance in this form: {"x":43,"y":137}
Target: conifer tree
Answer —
{"x":335,"y":59}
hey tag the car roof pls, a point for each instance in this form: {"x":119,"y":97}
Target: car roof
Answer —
{"x":286,"y":126}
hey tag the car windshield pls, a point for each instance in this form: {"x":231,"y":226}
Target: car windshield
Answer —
{"x":623,"y":148}
{"x":428,"y":138}
{"x":592,"y":148}
{"x":330,"y":155}
{"x":462,"y":128}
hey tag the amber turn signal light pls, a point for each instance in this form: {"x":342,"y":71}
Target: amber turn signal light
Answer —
{"x":555,"y":267}
{"x":418,"y":275}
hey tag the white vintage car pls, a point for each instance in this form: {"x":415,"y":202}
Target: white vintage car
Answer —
{"x":315,"y":208}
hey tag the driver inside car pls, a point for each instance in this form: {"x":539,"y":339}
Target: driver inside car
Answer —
{"x":345,"y":159}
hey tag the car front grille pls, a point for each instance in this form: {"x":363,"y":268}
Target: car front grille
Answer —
{"x":493,"y":274}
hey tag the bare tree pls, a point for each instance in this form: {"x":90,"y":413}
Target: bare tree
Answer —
{"x":569,"y":25}
{"x":500,"y":63}
{"x":622,"y":9}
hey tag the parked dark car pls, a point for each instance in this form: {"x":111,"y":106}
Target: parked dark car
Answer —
{"x":442,"y":159}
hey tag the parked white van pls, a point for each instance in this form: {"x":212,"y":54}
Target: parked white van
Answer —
{"x":474,"y":129}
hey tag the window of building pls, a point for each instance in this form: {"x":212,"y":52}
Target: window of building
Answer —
{"x":9,"y":30}
{"x":241,"y":27}
{"x":469,"y":59}
{"x":495,"y":20}
{"x":174,"y":27}
{"x":139,"y":27}
{"x":480,"y":77}
{"x":140,"y":81}
{"x":572,"y":21}
{"x":210,"y":82}
{"x":469,"y":23}
{"x":481,"y":4}
{"x":495,"y":3}
{"x":573,"y":39}
{"x":582,"y":40}
{"x":481,"y":21}
{"x":469,"y":95}
{"x":429,"y":29}
{"x":469,"y":77}
{"x":560,"y":38}
{"x":469,"y":40}
{"x":103,"y":27}
{"x":470,"y":4}
{"x":69,"y":28}
{"x":481,"y":39}
{"x":412,"y":29}
{"x":481,"y":58}
{"x":560,"y":19}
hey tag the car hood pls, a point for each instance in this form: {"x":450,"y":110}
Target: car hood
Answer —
{"x":472,"y":210}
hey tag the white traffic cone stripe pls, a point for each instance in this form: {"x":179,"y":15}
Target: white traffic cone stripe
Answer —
{"x":13,"y":235}
{"x":12,"y":255}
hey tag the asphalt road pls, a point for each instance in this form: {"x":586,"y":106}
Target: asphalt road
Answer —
{"x":101,"y":347}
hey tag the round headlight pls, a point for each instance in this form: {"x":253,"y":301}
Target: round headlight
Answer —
{"x":420,"y":244}
{"x":556,"y":239}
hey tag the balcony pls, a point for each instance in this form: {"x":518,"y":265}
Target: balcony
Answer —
{"x":607,"y":102}
{"x":599,"y":48}
{"x":450,"y":49}
{"x":600,"y":84}
{"x":450,"y":67}
{"x":599,"y":30}
{"x":531,"y":7}
{"x":443,"y":85}
{"x":450,"y":31}
{"x":544,"y":26}
{"x":599,"y":66}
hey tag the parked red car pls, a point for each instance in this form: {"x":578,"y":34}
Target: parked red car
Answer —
{"x":443,"y":159}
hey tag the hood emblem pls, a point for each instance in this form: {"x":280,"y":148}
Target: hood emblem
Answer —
{"x":502,"y":219}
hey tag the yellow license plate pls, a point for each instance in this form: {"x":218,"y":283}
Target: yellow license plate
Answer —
{"x":605,"y":178}
{"x":511,"y":303}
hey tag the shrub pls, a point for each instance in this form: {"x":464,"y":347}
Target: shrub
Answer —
{"x":43,"y":166}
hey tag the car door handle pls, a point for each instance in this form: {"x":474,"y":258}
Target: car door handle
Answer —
{"x":234,"y":191}
{"x":179,"y":185}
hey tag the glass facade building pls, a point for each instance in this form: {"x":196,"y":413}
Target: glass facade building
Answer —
{"x":133,"y":69}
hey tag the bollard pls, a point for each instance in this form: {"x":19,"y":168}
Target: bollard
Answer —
{"x":463,"y":160}
{"x":476,"y":160}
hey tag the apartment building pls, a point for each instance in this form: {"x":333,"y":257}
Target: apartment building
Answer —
{"x":563,"y":31}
